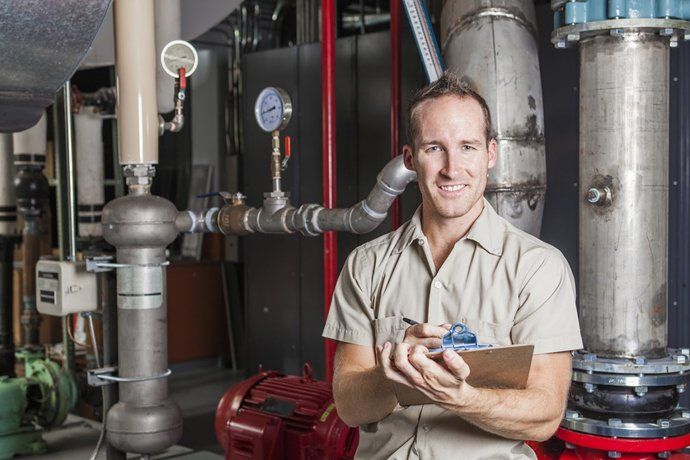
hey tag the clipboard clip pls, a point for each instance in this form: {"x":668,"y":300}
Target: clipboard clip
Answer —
{"x":459,"y":338}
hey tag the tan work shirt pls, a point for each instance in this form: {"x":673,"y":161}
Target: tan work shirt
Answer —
{"x":506,"y":285}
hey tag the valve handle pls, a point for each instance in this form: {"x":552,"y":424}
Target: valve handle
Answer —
{"x":288,"y":153}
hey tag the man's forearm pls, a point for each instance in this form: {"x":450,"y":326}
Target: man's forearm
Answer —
{"x":515,"y":414}
{"x":363,"y":396}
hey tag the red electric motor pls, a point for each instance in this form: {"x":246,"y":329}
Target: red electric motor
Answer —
{"x":272,"y":416}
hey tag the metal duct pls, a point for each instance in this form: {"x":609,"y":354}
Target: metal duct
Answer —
{"x":88,"y":126}
{"x":492,"y":44}
{"x":624,"y":163}
{"x":41,"y":45}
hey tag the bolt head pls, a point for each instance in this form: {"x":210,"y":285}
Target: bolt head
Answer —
{"x":673,"y":43}
{"x":680,"y":359}
{"x":573,"y":37}
{"x":680,"y":388}
{"x":569,"y":446}
{"x":663,"y":423}
{"x":614,"y":454}
{"x":685,"y":351}
{"x":590,"y":387}
{"x":615,"y":422}
{"x":666,"y":32}
{"x":560,"y":44}
{"x":641,"y":391}
{"x":590,"y":357}
{"x":572,"y":414}
{"x":685,"y":414}
{"x":665,"y":454}
{"x":641,"y":360}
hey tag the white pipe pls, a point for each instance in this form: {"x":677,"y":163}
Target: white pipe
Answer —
{"x":8,"y":205}
{"x":167,"y":29}
{"x":90,"y":194}
{"x":32,"y":143}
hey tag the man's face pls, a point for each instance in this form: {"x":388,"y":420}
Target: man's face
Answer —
{"x":451,"y":155}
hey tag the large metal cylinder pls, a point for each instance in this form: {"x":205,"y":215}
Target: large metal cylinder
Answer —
{"x":90,"y":192}
{"x":135,"y":53}
{"x":145,"y":420}
{"x":492,"y":44}
{"x":624,"y":149}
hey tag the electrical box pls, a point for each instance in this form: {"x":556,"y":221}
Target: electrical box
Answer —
{"x":64,"y":287}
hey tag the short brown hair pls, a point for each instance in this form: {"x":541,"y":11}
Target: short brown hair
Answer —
{"x":448,"y":85}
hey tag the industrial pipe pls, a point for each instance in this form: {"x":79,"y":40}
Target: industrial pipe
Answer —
{"x":140,"y":226}
{"x":395,"y":97}
{"x":330,"y":239}
{"x":624,"y":126}
{"x":32,"y":192}
{"x":309,"y":219}
{"x":492,"y":45}
{"x":8,"y":235}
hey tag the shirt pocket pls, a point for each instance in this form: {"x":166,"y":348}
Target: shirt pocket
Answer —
{"x":488,"y":332}
{"x":389,"y":329}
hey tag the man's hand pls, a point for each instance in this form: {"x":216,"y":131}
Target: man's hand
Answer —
{"x":425,"y":334}
{"x":410,"y":366}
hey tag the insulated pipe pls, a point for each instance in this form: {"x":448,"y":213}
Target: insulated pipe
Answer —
{"x":492,"y":44}
{"x":8,"y":204}
{"x":135,"y":54}
{"x":8,"y":231}
{"x":395,"y":96}
{"x":330,"y":239}
{"x":90,"y":189}
{"x":140,"y":226}
{"x":32,"y":191}
{"x":624,"y":129}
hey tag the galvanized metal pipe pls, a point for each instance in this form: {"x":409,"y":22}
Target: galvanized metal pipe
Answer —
{"x":492,"y":45}
{"x":624,"y":155}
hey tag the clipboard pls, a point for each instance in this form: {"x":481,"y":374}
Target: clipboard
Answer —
{"x":496,"y":367}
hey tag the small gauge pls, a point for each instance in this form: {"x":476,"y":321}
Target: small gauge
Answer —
{"x":178,"y":54}
{"x":273,"y":109}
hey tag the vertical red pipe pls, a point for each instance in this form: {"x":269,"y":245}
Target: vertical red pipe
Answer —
{"x":330,"y":240}
{"x":395,"y":97}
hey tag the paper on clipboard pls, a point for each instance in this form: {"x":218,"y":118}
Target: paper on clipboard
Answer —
{"x":496,"y":367}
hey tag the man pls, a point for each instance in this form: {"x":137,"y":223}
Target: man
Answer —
{"x":456,"y":260}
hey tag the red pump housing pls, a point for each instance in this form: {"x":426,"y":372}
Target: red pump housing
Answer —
{"x":273,"y":416}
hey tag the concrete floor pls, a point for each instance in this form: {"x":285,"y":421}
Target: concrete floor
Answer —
{"x":196,"y":387}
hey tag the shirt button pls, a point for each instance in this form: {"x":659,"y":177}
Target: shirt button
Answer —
{"x":420,"y":241}
{"x":426,"y":428}
{"x":437,"y":285}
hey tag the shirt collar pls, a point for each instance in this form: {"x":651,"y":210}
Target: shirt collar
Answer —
{"x":487,"y":231}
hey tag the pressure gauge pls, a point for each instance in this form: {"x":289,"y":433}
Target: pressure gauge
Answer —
{"x":273,"y":109}
{"x":178,"y":54}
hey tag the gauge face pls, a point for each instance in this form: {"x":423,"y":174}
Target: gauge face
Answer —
{"x":273,"y":109}
{"x":178,"y":54}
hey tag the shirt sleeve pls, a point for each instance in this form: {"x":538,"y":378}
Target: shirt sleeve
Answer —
{"x":350,"y":316}
{"x":547,"y":316}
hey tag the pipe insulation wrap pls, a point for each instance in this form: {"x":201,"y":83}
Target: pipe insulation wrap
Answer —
{"x":8,"y":205}
{"x":88,"y":127}
{"x":30,"y":144}
{"x":492,"y":45}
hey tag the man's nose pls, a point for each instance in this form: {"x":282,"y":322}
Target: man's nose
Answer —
{"x":453,"y":166}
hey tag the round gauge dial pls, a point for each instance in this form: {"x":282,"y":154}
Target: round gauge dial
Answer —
{"x":178,"y":54}
{"x":273,"y":109}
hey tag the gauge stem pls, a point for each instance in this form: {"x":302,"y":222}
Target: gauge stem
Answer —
{"x":275,"y":161}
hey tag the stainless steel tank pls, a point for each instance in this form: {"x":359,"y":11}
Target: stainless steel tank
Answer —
{"x":492,"y":44}
{"x":624,"y":187}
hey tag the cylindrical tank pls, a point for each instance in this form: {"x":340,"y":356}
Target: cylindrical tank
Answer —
{"x":90,"y":193}
{"x":135,"y":52}
{"x":624,"y":163}
{"x":492,"y":45}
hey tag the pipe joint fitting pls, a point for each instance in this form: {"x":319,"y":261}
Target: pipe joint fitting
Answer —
{"x":599,"y":196}
{"x":233,"y":219}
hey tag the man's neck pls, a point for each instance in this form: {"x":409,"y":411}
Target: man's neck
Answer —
{"x":442,"y":233}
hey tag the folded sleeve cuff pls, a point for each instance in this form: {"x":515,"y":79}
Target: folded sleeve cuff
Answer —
{"x":353,"y":336}
{"x":557,"y":344}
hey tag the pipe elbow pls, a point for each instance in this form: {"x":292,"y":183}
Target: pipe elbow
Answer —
{"x":394,"y":177}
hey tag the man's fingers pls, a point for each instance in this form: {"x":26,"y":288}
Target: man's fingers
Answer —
{"x":426,"y":330}
{"x":389,"y":371}
{"x":456,"y":365}
{"x":429,"y":342}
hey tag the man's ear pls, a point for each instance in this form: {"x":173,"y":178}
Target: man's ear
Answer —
{"x":408,"y":157}
{"x":493,"y":147}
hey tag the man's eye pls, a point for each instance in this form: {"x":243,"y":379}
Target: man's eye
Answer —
{"x":433,"y":148}
{"x":468,"y":148}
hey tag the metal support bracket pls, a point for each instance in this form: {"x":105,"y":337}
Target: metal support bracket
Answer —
{"x":106,"y":376}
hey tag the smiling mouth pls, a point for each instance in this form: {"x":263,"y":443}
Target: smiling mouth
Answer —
{"x":452,"y":188}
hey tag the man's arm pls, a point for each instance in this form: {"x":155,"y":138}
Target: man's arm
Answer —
{"x":533,"y":413}
{"x":361,"y":391}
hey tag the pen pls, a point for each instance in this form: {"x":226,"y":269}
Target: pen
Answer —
{"x":409,"y":321}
